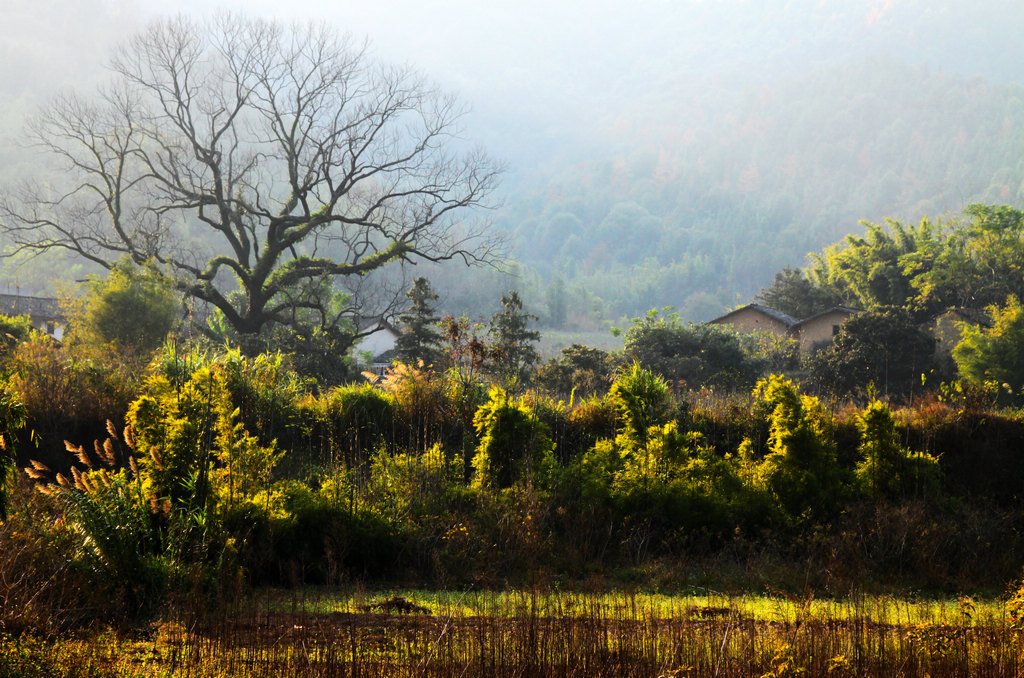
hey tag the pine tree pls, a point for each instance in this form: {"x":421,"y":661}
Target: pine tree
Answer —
{"x":512,"y":342}
{"x":420,"y":338}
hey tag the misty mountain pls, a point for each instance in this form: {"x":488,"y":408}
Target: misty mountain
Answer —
{"x":701,"y":211}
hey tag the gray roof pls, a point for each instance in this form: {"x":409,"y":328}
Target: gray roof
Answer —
{"x":845,"y":310}
{"x":36,"y":308}
{"x":783,"y":318}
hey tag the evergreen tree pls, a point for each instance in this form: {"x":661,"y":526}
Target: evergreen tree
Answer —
{"x":512,"y":342}
{"x":420,"y":338}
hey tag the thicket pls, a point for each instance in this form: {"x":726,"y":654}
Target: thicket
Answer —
{"x":685,"y":459}
{"x":225,"y":471}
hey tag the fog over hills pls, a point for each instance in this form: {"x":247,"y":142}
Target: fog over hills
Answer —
{"x":659,"y":152}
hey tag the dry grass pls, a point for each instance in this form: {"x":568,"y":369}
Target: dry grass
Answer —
{"x":519,"y":634}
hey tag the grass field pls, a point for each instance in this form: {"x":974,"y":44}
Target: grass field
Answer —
{"x":769,"y":607}
{"x":515,"y":633}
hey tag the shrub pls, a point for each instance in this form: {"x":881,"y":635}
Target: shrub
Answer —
{"x":12,"y":418}
{"x":883,"y":350}
{"x":40,"y":590}
{"x":514,"y":443}
{"x":800,"y":469}
{"x":690,"y":355}
{"x":13,"y":331}
{"x":642,"y":399}
{"x":132,"y":310}
{"x":359,"y":417}
{"x":421,"y":398}
{"x":409,"y":487}
{"x":266,"y":392}
{"x":578,"y":372}
{"x":995,"y":354}
{"x":58,"y":386}
{"x":888,"y":470}
{"x":195,"y":451}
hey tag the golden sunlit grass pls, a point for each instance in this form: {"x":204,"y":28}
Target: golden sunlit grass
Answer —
{"x":516,"y":633}
{"x":770,"y":607}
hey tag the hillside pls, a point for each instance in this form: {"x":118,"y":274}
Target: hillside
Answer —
{"x":701,"y":212}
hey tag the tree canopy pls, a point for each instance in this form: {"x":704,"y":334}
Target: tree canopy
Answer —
{"x":970,"y":261}
{"x":690,"y":355}
{"x":883,"y":348}
{"x":258,"y":166}
{"x":995,"y":353}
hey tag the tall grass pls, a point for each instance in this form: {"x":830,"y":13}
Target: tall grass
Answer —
{"x":568,"y":634}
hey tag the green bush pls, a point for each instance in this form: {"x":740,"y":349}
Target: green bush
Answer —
{"x":267,"y":393}
{"x":995,"y":354}
{"x":642,"y":399}
{"x":514,"y":443}
{"x":12,"y":417}
{"x":132,"y":310}
{"x":195,"y":451}
{"x":690,"y":355}
{"x":13,"y":331}
{"x":59,"y":386}
{"x":317,"y":539}
{"x":355,"y":420}
{"x":887,"y":469}
{"x":800,"y":470}
{"x":423,"y":403}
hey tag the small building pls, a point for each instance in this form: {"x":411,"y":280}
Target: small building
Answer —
{"x":819,"y":329}
{"x":811,"y":333}
{"x":43,"y":312}
{"x":380,"y":344}
{"x":757,"y":318}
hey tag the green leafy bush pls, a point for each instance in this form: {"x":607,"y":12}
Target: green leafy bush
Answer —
{"x":800,"y":470}
{"x":642,"y":399}
{"x":194,"y":450}
{"x":995,"y":354}
{"x":12,"y":417}
{"x":59,"y":386}
{"x":887,"y":469}
{"x":132,"y":310}
{"x":690,"y":355}
{"x":353,"y":420}
{"x":514,"y":443}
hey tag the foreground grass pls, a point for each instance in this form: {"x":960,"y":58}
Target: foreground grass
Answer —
{"x":561,"y":634}
{"x":774,"y":606}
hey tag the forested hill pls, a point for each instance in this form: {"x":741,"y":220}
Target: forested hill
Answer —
{"x":699,"y":211}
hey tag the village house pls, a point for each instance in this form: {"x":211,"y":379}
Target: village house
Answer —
{"x":757,"y":318}
{"x":43,"y":312}
{"x":380,"y":346}
{"x":811,"y":333}
{"x":819,"y":329}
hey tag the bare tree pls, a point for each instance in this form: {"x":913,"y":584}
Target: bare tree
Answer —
{"x":259,"y":166}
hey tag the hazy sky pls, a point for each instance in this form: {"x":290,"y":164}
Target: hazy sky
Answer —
{"x":544,"y":74}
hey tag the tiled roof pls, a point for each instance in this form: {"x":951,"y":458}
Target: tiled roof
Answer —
{"x":37,"y":308}
{"x":846,"y":310}
{"x":783,"y":318}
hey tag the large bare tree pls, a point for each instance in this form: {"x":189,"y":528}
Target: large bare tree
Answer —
{"x":259,"y":166}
